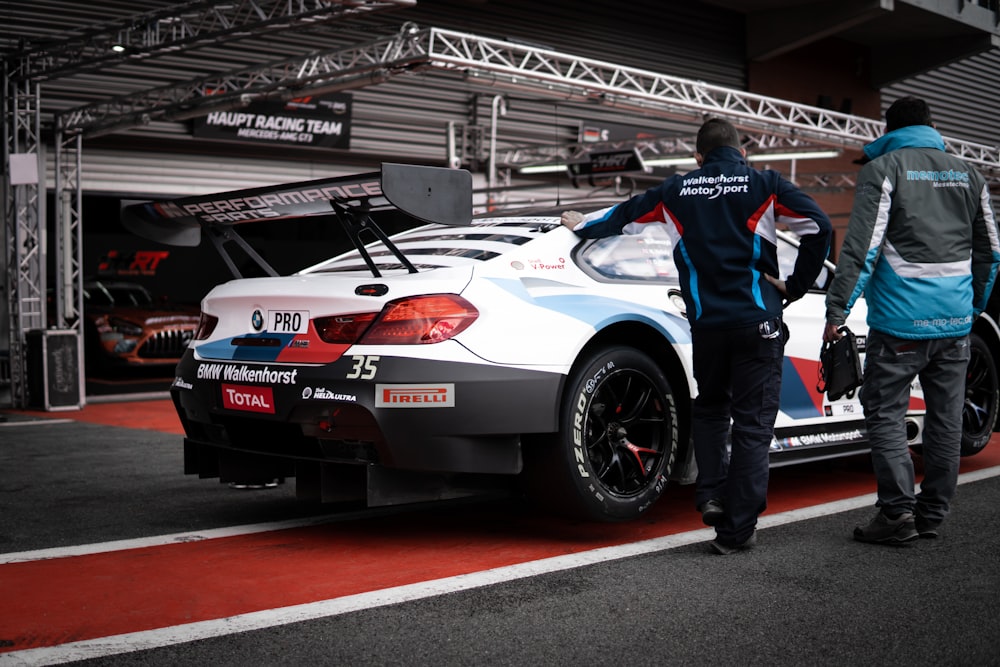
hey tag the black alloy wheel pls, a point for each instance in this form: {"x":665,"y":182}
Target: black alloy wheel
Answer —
{"x":619,"y":437}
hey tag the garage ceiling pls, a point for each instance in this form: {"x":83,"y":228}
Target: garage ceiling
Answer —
{"x":402,"y":117}
{"x":407,"y":114}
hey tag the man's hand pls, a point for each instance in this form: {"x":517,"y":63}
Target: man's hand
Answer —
{"x":831,"y":333}
{"x":571,"y":219}
{"x":779,"y":283}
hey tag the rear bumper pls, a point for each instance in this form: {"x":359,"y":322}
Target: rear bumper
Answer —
{"x":417,"y":415}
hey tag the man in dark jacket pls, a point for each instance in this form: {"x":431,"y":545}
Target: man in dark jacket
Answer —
{"x":922,"y":245}
{"x":722,"y":219}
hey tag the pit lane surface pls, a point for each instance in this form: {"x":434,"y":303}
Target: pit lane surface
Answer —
{"x":112,"y":554}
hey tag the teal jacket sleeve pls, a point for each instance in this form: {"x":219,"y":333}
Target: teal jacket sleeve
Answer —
{"x":861,"y":245}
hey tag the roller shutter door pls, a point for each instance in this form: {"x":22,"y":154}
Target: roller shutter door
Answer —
{"x":964,"y":97}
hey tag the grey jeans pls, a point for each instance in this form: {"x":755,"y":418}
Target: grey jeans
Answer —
{"x":891,"y":364}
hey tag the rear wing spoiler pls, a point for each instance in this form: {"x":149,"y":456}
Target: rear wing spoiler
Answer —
{"x":429,"y":194}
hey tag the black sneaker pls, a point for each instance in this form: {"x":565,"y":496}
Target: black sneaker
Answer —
{"x":712,"y":512}
{"x":724,"y":549}
{"x":883,"y":530}
{"x":926,"y":528}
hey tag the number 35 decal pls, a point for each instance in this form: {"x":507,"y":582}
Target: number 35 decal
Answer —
{"x":364,"y":367}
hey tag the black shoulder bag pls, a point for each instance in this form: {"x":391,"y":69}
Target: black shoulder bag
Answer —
{"x":840,"y":366}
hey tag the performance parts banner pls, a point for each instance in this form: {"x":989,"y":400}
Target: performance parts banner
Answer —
{"x":317,"y":121}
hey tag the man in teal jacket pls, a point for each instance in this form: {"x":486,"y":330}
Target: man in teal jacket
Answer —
{"x":922,"y":245}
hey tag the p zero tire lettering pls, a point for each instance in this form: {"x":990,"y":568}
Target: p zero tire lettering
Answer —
{"x":618,"y":441}
{"x":581,"y":406}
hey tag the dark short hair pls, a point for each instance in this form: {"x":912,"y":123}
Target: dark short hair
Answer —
{"x":907,"y":111}
{"x":715,"y":133}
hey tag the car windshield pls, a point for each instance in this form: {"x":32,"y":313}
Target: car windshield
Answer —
{"x":648,"y":256}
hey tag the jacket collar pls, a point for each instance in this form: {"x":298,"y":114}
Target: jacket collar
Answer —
{"x":911,"y":136}
{"x":724,"y":154}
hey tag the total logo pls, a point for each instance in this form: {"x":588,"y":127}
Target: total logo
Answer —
{"x":248,"y":399}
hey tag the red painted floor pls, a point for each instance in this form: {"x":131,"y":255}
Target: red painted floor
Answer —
{"x":156,"y":415}
{"x":85,"y":597}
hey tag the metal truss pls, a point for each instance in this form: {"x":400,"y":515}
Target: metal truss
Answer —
{"x":23,"y":222}
{"x":347,"y":68}
{"x":828,"y":181}
{"x":495,"y":63}
{"x":184,"y":26}
{"x":561,"y":75}
{"x":68,"y":241}
{"x":648,"y":148}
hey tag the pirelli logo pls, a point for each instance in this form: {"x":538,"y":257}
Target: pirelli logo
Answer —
{"x":414,"y":395}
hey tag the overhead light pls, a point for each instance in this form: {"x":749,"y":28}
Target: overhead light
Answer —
{"x":761,"y":157}
{"x":118,"y":48}
{"x":542,"y":169}
{"x":670,"y":162}
{"x":690,"y":161}
{"x":802,"y":155}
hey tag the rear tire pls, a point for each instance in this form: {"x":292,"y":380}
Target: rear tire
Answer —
{"x":617,"y":442}
{"x":982,"y":398}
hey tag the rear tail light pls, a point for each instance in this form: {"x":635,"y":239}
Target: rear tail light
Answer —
{"x":206,"y":325}
{"x":410,"y":321}
{"x":421,"y":319}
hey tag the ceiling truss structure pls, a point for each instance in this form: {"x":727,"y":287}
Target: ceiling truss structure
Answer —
{"x":473,"y":60}
{"x":498,"y":64}
{"x":184,"y":26}
{"x":648,"y":149}
{"x":143,"y":36}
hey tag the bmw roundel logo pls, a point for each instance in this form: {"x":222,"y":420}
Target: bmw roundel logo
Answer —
{"x":257,"y":320}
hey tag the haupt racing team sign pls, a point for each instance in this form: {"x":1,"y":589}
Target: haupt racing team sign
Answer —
{"x":320,"y":121}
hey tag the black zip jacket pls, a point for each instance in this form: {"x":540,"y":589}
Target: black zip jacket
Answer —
{"x":722,"y":220}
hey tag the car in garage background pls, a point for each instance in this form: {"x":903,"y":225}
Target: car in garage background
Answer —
{"x":126,"y":328}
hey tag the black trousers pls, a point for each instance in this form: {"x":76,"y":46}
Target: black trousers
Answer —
{"x":738,"y":372}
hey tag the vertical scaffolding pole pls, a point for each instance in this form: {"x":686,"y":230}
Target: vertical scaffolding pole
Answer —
{"x":23,"y":221}
{"x":69,"y":241}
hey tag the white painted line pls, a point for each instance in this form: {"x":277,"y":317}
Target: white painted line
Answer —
{"x":132,"y":397}
{"x":160,"y":540}
{"x":36,"y":422}
{"x":150,"y":639}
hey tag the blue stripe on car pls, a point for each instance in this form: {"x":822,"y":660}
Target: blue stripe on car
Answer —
{"x":226,"y":349}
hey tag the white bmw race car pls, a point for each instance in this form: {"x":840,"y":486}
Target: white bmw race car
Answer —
{"x":470,"y":355}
